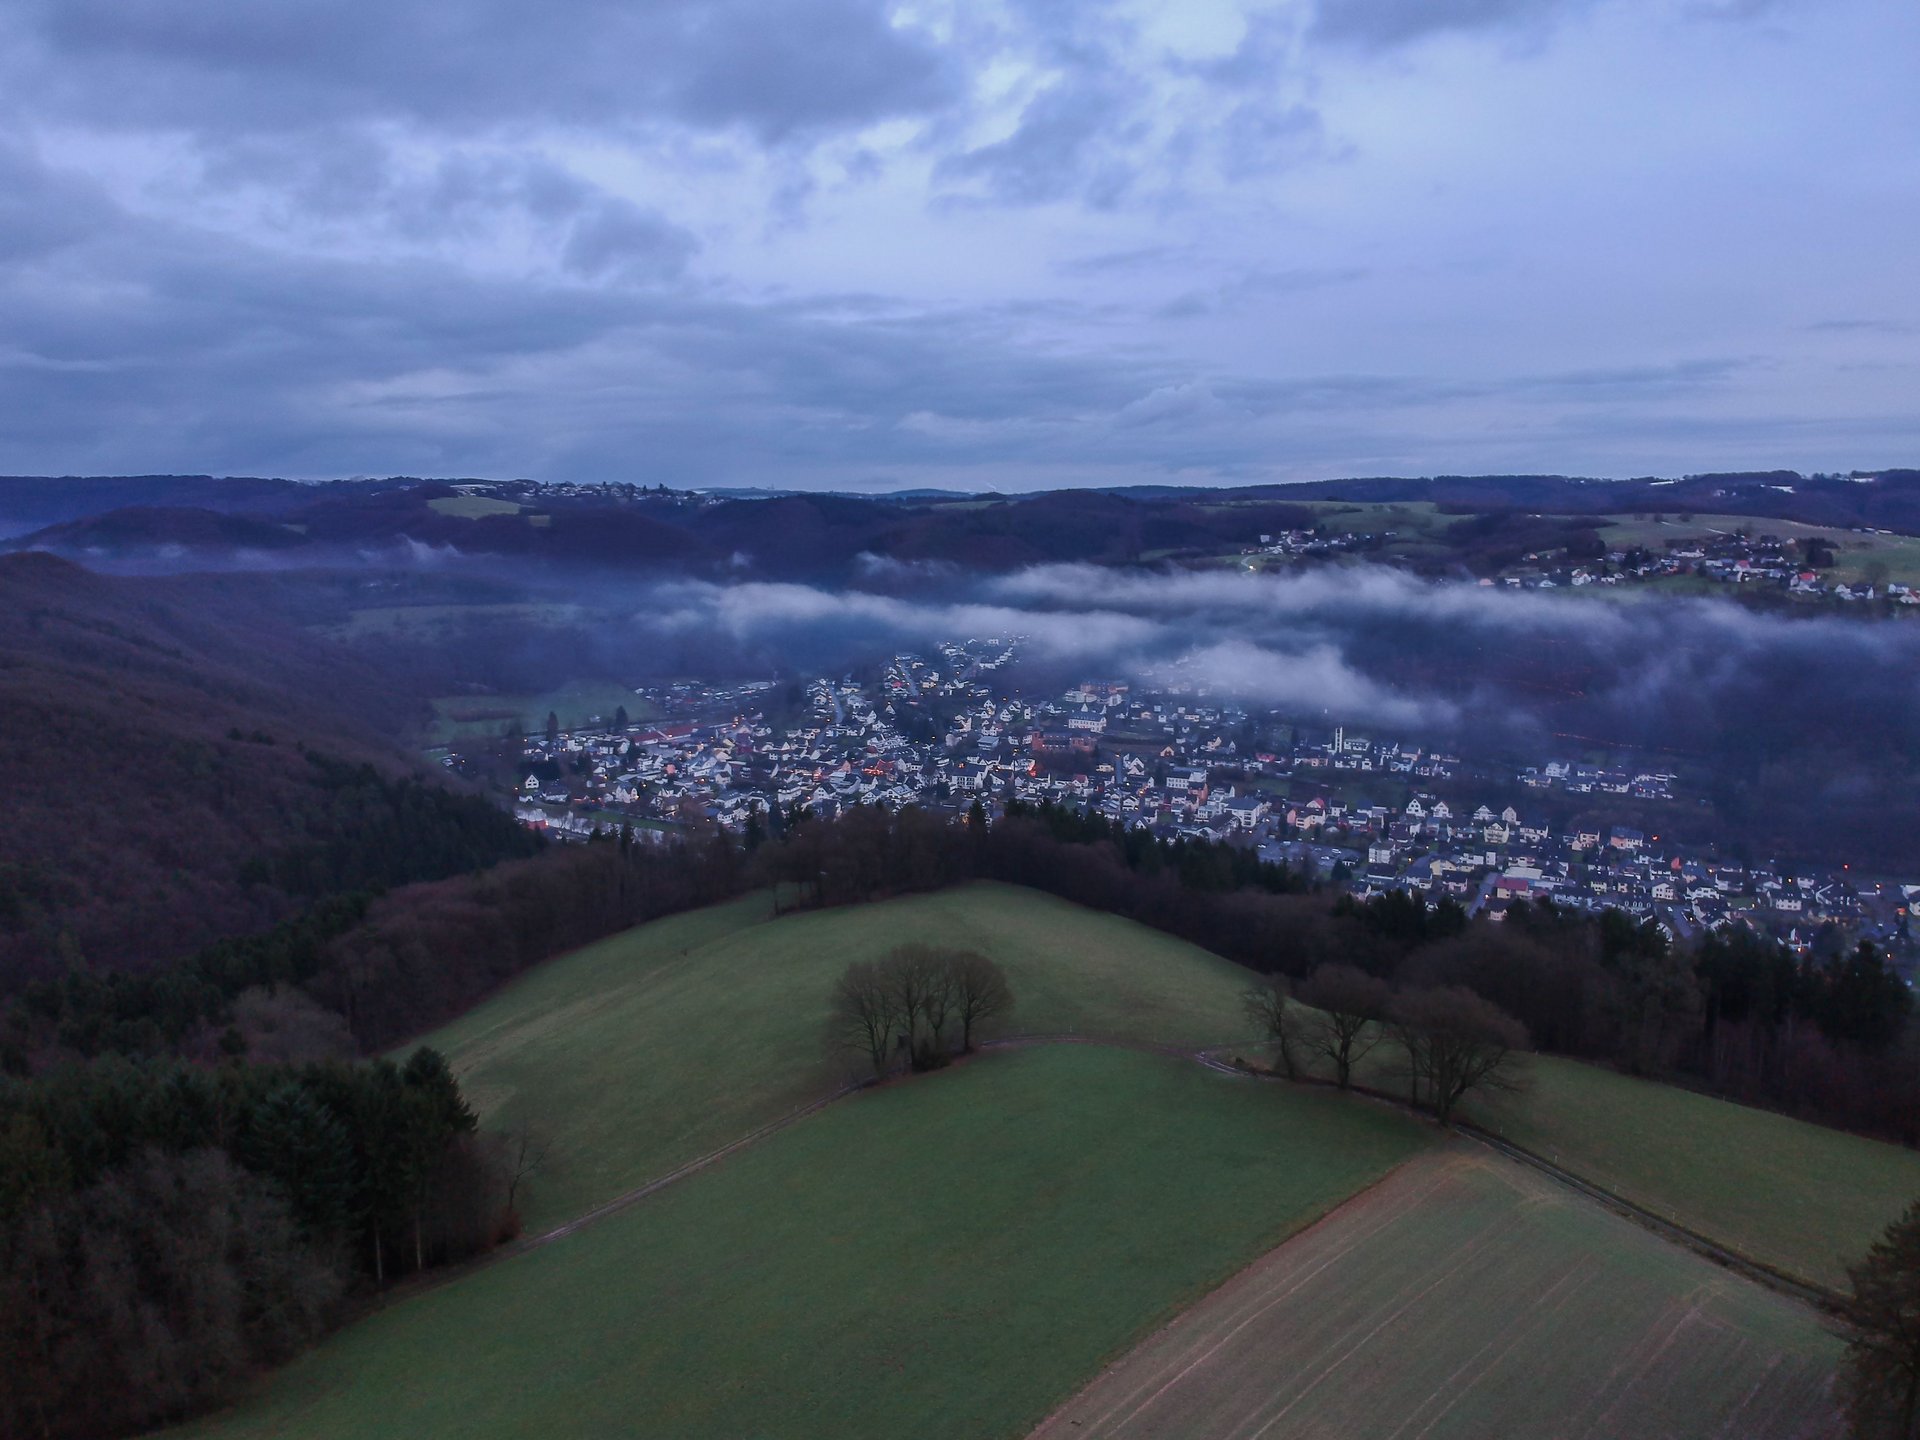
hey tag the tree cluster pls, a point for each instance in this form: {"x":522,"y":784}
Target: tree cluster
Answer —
{"x":1446,"y":1041}
{"x":167,"y":1229}
{"x":917,"y":1002}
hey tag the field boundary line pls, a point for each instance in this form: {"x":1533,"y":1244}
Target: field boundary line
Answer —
{"x":1758,"y":1271}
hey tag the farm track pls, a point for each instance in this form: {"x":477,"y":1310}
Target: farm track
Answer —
{"x":1207,"y":1057}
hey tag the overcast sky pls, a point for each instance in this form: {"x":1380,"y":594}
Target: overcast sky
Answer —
{"x":847,"y":244}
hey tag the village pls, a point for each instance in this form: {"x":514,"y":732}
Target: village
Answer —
{"x":937,"y":731}
{"x":1804,"y":569}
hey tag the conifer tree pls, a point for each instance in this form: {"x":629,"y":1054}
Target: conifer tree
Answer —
{"x":1880,"y":1377}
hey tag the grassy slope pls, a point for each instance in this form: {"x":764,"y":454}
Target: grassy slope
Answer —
{"x":1799,"y":1197}
{"x":655,"y":1046}
{"x":472,"y":507}
{"x":462,"y":717}
{"x":949,"y":1256}
{"x":1470,"y":1297}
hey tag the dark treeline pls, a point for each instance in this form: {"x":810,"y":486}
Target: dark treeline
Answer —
{"x":356,"y":831}
{"x":167,"y":1229}
{"x":1828,"y":1036}
{"x":366,"y":972}
{"x":369,"y":832}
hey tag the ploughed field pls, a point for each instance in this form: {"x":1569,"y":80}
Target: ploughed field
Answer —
{"x":1469,"y":1296}
{"x":654,"y":1047}
{"x":946,"y":1257}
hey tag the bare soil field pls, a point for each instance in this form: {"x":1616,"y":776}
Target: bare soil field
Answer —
{"x":1466,"y":1296}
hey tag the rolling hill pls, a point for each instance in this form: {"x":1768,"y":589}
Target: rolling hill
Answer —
{"x":179,"y":768}
{"x":957,"y":1254}
{"x":653,"y":1047}
{"x":187,"y":521}
{"x":944,"y":1257}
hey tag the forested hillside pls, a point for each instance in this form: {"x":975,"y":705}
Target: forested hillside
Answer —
{"x":177,"y":769}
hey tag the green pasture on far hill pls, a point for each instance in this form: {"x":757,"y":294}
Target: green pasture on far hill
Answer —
{"x":576,"y":706}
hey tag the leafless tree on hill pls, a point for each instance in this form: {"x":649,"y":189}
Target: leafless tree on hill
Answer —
{"x":1455,"y":1043}
{"x":981,"y":992}
{"x":1351,"y":1005}
{"x":913,"y":997}
{"x":862,"y":1015}
{"x":1280,"y":1018}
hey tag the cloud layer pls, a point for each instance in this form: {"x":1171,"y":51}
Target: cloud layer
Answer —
{"x":860,"y":244}
{"x":1505,"y":672}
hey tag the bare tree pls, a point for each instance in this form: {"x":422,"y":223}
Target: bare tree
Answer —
{"x":1352,"y":1004}
{"x":910,"y":977}
{"x":524,"y":1154}
{"x":1880,"y":1376}
{"x":912,"y":997}
{"x":863,"y":1015}
{"x":1280,"y":1018}
{"x":1456,"y":1043}
{"x":981,"y":992}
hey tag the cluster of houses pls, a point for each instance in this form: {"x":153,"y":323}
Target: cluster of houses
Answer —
{"x":934,"y":731}
{"x":1577,"y":779}
{"x":1725,"y":557}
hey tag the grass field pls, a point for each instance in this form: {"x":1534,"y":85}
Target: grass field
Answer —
{"x":1801,"y":1198}
{"x":656,"y":1046}
{"x":466,"y":717}
{"x":425,"y":621}
{"x":946,"y":1257}
{"x":472,"y":507}
{"x":1467,"y":1297}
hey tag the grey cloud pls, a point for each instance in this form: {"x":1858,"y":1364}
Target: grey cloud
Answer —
{"x":618,"y":238}
{"x":466,"y":194}
{"x":1868,"y":327}
{"x":1308,"y":676}
{"x":1378,"y":647}
{"x":1257,"y":284}
{"x":41,"y":212}
{"x":1382,"y":24}
{"x":1140,"y":258}
{"x":231,"y":66}
{"x":1071,"y":141}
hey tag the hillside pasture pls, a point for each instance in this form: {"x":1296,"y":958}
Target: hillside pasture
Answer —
{"x":1802,"y":1199}
{"x":950,"y":1256}
{"x":428,"y":622}
{"x":648,"y":1049}
{"x":1468,"y":1296}
{"x":472,"y":507}
{"x":577,"y":706}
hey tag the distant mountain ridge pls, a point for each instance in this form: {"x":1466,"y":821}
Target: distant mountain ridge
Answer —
{"x":183,"y":522}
